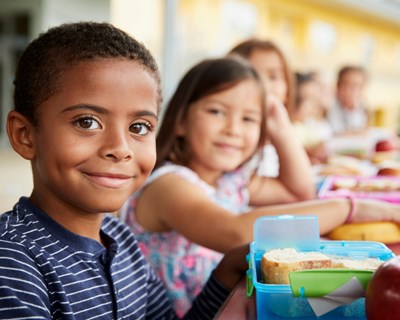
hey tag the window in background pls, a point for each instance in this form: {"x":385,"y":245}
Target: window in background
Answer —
{"x":322,"y":36}
{"x":367,"y":49}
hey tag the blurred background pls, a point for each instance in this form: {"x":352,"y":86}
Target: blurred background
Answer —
{"x":315,"y":35}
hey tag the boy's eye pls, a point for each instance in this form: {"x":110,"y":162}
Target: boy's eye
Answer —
{"x":88,"y":123}
{"x":141,"y":129}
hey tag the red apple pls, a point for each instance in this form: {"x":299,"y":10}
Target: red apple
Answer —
{"x":382,"y":300}
{"x":385,"y":145}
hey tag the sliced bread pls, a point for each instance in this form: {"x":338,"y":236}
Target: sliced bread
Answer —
{"x":365,"y":264}
{"x":278,"y":263}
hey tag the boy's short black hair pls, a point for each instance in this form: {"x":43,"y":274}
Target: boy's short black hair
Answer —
{"x":48,"y":57}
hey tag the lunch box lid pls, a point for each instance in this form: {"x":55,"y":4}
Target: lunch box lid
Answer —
{"x":286,"y":231}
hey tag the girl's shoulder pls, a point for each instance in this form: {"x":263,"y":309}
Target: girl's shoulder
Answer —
{"x":170,"y":167}
{"x":166,"y":169}
{"x":181,"y":171}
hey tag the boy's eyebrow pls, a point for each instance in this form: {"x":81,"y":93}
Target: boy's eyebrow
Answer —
{"x":86,"y":106}
{"x":102,"y":110}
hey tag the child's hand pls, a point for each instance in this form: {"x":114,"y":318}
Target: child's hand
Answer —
{"x":368,"y":210}
{"x":318,"y":153}
{"x":277,"y":118}
{"x":233,"y":266}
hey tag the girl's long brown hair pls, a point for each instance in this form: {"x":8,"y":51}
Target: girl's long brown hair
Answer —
{"x":205,"y":78}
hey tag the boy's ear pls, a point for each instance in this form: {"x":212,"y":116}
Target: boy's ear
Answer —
{"x":20,"y":133}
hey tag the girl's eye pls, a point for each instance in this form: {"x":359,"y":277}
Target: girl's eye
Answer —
{"x":252,"y":119}
{"x":249,"y":119}
{"x":140,"y":129}
{"x":88,"y":123}
{"x":215,"y":111}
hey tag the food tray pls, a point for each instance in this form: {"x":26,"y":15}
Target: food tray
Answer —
{"x":373,"y":187}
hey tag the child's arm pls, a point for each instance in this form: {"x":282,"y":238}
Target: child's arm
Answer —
{"x":233,"y":266}
{"x":295,"y":181}
{"x":205,"y":306}
{"x":187,"y":209}
{"x":228,"y":273}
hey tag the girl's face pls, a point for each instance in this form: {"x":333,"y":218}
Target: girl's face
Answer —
{"x":222,"y":130}
{"x":269,"y":65}
{"x":95,"y":141}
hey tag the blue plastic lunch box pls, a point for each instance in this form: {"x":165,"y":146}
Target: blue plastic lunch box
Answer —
{"x":277,"y":301}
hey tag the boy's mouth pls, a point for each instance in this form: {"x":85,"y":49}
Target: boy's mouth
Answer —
{"x":109,"y":180}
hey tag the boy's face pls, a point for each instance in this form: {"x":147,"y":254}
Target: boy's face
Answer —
{"x":95,"y":141}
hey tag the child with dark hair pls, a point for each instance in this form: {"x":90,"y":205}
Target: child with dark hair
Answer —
{"x":87,"y":99}
{"x":312,"y":130}
{"x":289,"y":164}
{"x":201,"y":200}
{"x":348,"y":114}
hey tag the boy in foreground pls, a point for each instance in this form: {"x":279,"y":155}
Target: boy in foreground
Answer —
{"x":87,"y":100}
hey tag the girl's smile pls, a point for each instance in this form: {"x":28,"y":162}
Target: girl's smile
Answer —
{"x":228,"y":147}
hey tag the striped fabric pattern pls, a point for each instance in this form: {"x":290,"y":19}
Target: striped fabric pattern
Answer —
{"x":47,"y":272}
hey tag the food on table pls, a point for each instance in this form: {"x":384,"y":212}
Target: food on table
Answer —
{"x":364,"y":264}
{"x":347,"y":183}
{"x":385,"y":145}
{"x":336,"y":170}
{"x":382,"y":300}
{"x":384,"y":231}
{"x":342,"y":165}
{"x":389,"y":171}
{"x":276,"y":264}
{"x":385,"y":149}
{"x":366,"y":185}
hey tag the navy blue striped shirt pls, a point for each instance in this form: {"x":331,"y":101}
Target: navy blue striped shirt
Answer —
{"x":48,"y":272}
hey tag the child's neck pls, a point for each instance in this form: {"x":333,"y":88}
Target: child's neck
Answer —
{"x":211,"y":177}
{"x":84,"y":224}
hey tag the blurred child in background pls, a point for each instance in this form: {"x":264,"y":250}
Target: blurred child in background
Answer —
{"x":267,"y":58}
{"x":349,"y":115}
{"x":201,"y":200}
{"x":311,"y":127}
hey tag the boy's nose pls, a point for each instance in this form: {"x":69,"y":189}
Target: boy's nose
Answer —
{"x":117,"y":145}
